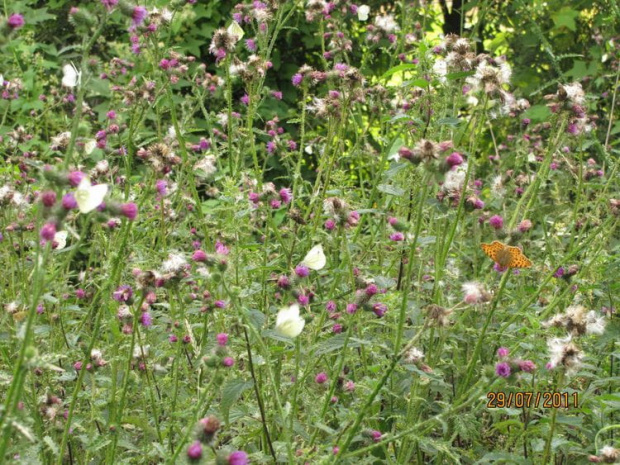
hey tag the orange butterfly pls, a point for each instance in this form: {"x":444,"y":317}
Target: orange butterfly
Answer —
{"x":505,"y":255}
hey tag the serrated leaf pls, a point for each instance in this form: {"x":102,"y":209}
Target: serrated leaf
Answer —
{"x":51,"y":445}
{"x":565,"y":18}
{"x":390,"y":189}
{"x":231,"y":391}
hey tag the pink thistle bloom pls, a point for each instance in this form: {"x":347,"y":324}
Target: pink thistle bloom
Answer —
{"x":502,"y":369}
{"x":48,"y":198}
{"x":302,"y":271}
{"x":527,"y":365}
{"x":330,"y":225}
{"x":238,"y":458}
{"x":496,"y":222}
{"x":139,"y":15}
{"x":221,"y":248}
{"x":502,"y":352}
{"x":222,"y":339}
{"x":525,"y":226}
{"x":194,"y":451}
{"x":351,"y":308}
{"x":454,"y":159}
{"x":321,"y":378}
{"x":228,"y":362}
{"x":48,"y":231}
{"x":286,"y":195}
{"x":296,"y":79}
{"x":75,"y":177}
{"x":199,"y":256}
{"x":129,"y":211}
{"x":146,"y":319}
{"x":397,"y":237}
{"x":15,"y":21}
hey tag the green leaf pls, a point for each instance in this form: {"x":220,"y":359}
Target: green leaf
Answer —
{"x":450,"y":121}
{"x":231,"y":391}
{"x":398,"y":69}
{"x":391,"y":190}
{"x":537,"y":113}
{"x":51,"y":445}
{"x":565,"y":18}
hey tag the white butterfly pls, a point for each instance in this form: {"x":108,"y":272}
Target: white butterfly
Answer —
{"x":89,"y":197}
{"x":89,"y":146}
{"x":235,"y":30}
{"x":71,"y":76}
{"x":289,"y":323}
{"x":362,"y":12}
{"x":315,"y":259}
{"x":61,"y":239}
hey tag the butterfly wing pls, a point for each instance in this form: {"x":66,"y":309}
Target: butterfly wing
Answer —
{"x":70,"y":76}
{"x":518,"y":258}
{"x":492,"y":249}
{"x":315,"y":259}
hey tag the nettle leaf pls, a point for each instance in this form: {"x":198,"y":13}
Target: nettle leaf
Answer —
{"x":231,"y":391}
{"x":565,"y":18}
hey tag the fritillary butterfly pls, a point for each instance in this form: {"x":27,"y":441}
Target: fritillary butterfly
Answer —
{"x":505,"y":255}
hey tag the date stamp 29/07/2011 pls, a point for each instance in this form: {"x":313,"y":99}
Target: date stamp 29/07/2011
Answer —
{"x":530,"y":399}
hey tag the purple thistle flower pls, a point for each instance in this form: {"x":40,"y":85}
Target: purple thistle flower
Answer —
{"x":330,"y":225}
{"x":286,"y":195}
{"x":351,"y":308}
{"x":496,"y":222}
{"x":302,"y":271}
{"x":330,"y":306}
{"x":162,"y":186}
{"x":397,"y":237}
{"x":74,"y":178}
{"x":146,"y":319}
{"x":48,"y":198}
{"x":15,"y":21}
{"x":502,"y":369}
{"x":454,"y":159}
{"x":238,"y":458}
{"x":251,"y":45}
{"x":48,"y":231}
{"x":139,"y":15}
{"x":221,"y":248}
{"x":296,"y":79}
{"x":502,"y":352}
{"x":321,"y":378}
{"x":129,"y":211}
{"x":222,"y":339}
{"x":109,"y":4}
{"x":194,"y":451}
{"x":228,"y":361}
{"x":123,"y":293}
{"x":199,"y":256}
{"x":527,"y":365}
{"x":379,"y":309}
